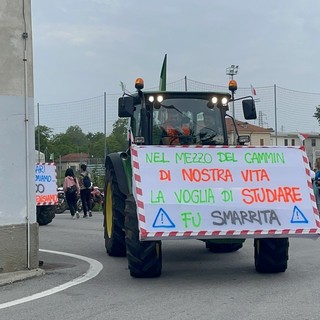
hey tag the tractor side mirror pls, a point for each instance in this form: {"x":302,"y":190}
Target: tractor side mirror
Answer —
{"x":243,"y":139}
{"x":249,"y":109}
{"x":125,"y":107}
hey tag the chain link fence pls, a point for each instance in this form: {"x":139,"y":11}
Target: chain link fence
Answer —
{"x":281,"y":109}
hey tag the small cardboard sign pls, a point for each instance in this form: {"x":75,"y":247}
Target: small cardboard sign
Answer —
{"x":220,"y":191}
{"x":46,"y":184}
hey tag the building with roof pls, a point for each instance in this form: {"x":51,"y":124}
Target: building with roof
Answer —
{"x":311,"y":142}
{"x":258,"y":136}
{"x":71,"y":160}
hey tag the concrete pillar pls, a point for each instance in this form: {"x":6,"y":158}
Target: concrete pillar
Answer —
{"x":19,"y":240}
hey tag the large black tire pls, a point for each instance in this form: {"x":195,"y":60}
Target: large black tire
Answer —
{"x":45,"y":214}
{"x":144,"y":257}
{"x":271,"y":254}
{"x":113,"y":210}
{"x":223,"y":247}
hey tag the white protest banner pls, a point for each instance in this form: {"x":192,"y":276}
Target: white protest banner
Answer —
{"x":46,"y":184}
{"x":219,"y":191}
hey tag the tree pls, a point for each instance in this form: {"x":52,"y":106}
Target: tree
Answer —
{"x":74,"y":140}
{"x":78,"y":138}
{"x":62,"y":144}
{"x":117,"y":140}
{"x":120,"y":128}
{"x":43,"y":134}
{"x":317,"y":113}
{"x":96,"y":144}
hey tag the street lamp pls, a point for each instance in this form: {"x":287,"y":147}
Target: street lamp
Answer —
{"x":231,"y":72}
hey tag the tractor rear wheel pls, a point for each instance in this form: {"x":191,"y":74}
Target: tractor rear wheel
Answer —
{"x":113,"y":211}
{"x":144,"y":257}
{"x":271,"y":254}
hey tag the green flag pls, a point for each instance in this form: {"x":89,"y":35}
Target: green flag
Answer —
{"x":163,"y":75}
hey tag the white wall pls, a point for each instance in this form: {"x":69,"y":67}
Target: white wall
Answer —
{"x":17,"y":159}
{"x":16,"y":134}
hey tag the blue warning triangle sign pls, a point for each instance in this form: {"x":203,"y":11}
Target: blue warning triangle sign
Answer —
{"x":162,"y":220}
{"x":298,"y":216}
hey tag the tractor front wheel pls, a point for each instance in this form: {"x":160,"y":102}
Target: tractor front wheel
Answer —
{"x":113,"y":210}
{"x":144,"y":257}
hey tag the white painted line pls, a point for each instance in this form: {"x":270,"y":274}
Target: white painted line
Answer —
{"x":93,"y":271}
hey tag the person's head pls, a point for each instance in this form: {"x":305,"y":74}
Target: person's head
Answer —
{"x":83,"y":167}
{"x":317,"y":164}
{"x":69,"y":173}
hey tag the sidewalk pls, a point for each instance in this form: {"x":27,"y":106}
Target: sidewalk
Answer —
{"x":10,"y":277}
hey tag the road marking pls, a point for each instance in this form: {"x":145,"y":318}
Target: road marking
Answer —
{"x":93,"y":271}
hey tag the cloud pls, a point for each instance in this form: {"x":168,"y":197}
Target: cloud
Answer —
{"x":272,"y":42}
{"x":66,"y":34}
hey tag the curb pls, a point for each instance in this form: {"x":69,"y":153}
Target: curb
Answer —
{"x":11,"y":277}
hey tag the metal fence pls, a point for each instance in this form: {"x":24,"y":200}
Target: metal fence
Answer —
{"x":279,"y":108}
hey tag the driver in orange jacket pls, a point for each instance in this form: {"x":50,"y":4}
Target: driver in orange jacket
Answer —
{"x":174,"y":127}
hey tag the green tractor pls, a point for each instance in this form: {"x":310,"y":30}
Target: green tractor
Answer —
{"x":172,"y":118}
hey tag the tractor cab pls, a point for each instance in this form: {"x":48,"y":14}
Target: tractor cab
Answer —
{"x":179,"y":117}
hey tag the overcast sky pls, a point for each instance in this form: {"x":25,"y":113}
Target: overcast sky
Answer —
{"x":83,"y":48}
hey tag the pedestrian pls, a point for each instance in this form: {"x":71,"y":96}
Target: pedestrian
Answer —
{"x":316,"y":182}
{"x":71,"y":190}
{"x":85,"y":190}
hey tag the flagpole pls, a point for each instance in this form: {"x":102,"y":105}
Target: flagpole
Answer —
{"x":275,"y":113}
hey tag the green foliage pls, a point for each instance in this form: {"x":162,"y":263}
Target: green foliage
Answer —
{"x":317,"y":114}
{"x":45,"y":135}
{"x":76,"y":135}
{"x":119,"y":127}
{"x":96,"y":144}
{"x":97,"y":179}
{"x":74,"y":140}
{"x":117,"y":140}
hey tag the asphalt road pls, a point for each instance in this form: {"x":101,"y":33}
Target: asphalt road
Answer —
{"x":85,"y":283}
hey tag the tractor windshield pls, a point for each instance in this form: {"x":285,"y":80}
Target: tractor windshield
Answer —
{"x":187,"y":121}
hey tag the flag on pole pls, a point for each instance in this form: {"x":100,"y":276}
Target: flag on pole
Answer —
{"x":302,"y":136}
{"x":253,"y":90}
{"x":163,"y":75}
{"x":123,"y":86}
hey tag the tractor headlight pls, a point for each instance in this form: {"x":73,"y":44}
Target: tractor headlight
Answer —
{"x":224,"y":101}
{"x":214,"y":100}
{"x":160,"y":98}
